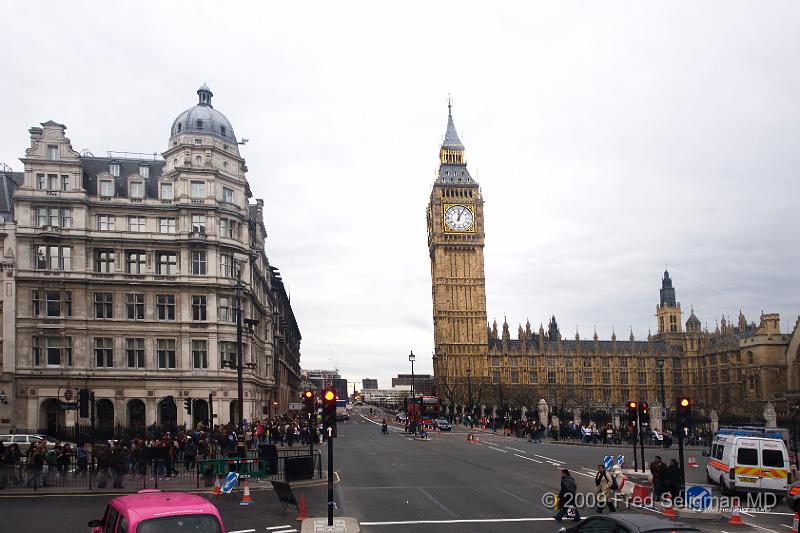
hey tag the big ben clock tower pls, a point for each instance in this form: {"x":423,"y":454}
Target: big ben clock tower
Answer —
{"x":455,"y":242}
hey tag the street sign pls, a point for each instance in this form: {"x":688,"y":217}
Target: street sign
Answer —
{"x":330,"y":432}
{"x":295,"y":406}
{"x":608,"y":461}
{"x":620,"y":460}
{"x":230,"y":482}
{"x":68,"y":406}
{"x":698,"y":497}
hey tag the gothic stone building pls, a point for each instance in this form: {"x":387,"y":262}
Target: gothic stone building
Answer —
{"x":734,"y":370}
{"x":125,"y":275}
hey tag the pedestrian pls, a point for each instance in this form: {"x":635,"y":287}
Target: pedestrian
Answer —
{"x":673,"y":479}
{"x":566,"y":497}
{"x":658,"y":470}
{"x":603,"y":491}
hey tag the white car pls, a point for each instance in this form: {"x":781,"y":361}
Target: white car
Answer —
{"x":24,"y":441}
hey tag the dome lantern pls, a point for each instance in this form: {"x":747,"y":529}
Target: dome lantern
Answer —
{"x":203,"y":119}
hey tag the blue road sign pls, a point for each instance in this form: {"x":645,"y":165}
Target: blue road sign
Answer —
{"x":620,"y":460}
{"x":230,"y":482}
{"x":608,"y":461}
{"x":698,"y":497}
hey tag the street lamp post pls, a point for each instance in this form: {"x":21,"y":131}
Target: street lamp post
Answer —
{"x":660,"y":364}
{"x":412,"y":358}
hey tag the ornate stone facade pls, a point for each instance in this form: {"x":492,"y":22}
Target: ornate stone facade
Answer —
{"x":735,"y":370}
{"x":126,"y":281}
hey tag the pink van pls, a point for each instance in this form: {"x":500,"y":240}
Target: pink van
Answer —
{"x":153,"y":511}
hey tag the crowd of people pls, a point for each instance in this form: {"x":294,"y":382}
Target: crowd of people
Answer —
{"x":170,"y":453}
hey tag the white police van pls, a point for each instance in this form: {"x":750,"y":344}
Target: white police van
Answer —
{"x":748,"y":460}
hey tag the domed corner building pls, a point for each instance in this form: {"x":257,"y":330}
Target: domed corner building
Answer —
{"x":125,"y":273}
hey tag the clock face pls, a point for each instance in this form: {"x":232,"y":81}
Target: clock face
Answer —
{"x":459,"y":218}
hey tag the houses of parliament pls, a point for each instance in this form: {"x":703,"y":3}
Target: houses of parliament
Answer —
{"x":736,"y":370}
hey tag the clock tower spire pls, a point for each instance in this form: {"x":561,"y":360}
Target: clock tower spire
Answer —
{"x":455,"y":243}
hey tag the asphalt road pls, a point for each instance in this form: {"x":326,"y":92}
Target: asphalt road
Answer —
{"x":394,"y":483}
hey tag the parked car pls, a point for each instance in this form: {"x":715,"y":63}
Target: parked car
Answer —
{"x":24,"y":441}
{"x":401,"y":417}
{"x":629,"y":523}
{"x":153,"y":511}
{"x":442,"y":424}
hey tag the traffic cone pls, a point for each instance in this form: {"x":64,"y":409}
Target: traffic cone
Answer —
{"x":669,"y":511}
{"x":301,"y":508}
{"x":246,"y":499}
{"x":735,"y":520}
{"x":692,"y":462}
{"x":795,"y":523}
{"x":217,"y":487}
{"x":469,"y":437}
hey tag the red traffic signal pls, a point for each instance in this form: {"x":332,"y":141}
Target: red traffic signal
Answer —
{"x":645,"y":408}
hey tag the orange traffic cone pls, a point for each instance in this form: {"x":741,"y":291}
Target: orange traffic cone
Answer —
{"x":692,"y":462}
{"x":217,"y":487}
{"x":469,"y":437}
{"x":735,"y":520}
{"x":669,"y":511}
{"x":301,"y":509}
{"x":246,"y":499}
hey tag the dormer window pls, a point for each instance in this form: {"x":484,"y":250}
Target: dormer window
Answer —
{"x":113,"y":169}
{"x":52,"y":152}
{"x":199,"y":124}
{"x":136,"y":189}
{"x":223,"y":130}
{"x":144,"y":171}
{"x":166,"y":191}
{"x":180,"y":127}
{"x":106,"y":188}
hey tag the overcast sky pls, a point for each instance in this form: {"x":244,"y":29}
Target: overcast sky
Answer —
{"x":611,"y":140}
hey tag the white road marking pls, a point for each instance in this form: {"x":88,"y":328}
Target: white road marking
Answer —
{"x":459,"y":521}
{"x":281,"y":527}
{"x":528,"y":458}
{"x":784,"y":525}
{"x":497,"y":449}
{"x":554,"y":463}
{"x":286,"y":531}
{"x":771,"y":512}
{"x":549,"y":458}
{"x":582,"y":474}
{"x":244,"y":531}
{"x":516,"y":450}
{"x":760,"y":527}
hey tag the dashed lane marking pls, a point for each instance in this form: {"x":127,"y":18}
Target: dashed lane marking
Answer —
{"x":279,"y":527}
{"x":516,"y":450}
{"x":528,"y":458}
{"x":760,"y":527}
{"x":459,"y":521}
{"x":549,"y":458}
{"x":244,"y":531}
{"x":497,"y":449}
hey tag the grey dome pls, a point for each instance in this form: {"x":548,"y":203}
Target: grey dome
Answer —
{"x":203,"y":119}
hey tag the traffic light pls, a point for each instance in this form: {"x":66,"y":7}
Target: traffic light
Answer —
{"x":308,"y":400}
{"x":684,"y":415}
{"x":187,"y":404}
{"x":632,"y":411}
{"x":83,"y":403}
{"x":329,"y":410}
{"x":644,"y":413}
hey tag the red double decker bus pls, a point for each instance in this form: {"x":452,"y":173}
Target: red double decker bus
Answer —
{"x":423,"y":409}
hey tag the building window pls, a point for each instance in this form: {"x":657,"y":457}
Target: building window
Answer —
{"x":198,"y":141}
{"x":167,"y":264}
{"x":623,"y":363}
{"x":144,"y":171}
{"x":52,"y":152}
{"x":551,"y":377}
{"x":54,"y":217}
{"x":136,"y":224}
{"x":515,"y":361}
{"x":136,"y":189}
{"x":199,"y":224}
{"x":53,"y":258}
{"x":514,"y":377}
{"x":198,"y":189}
{"x":165,"y":353}
{"x":225,"y":313}
{"x":165,"y":306}
{"x":642,"y":378}
{"x":36,"y":303}
{"x":104,"y":305}
{"x":587,"y":363}
{"x":135,"y":262}
{"x":640,"y":363}
{"x":113,"y":169}
{"x":223,"y":130}
{"x":606,"y":378}
{"x":227,"y":353}
{"x":495,"y":361}
{"x":134,"y":306}
{"x":570,"y":376}
{"x":227,"y":195}
{"x":226,"y":266}
{"x":623,"y":378}
{"x":199,"y":263}
{"x":106,"y":222}
{"x":134,"y":349}
{"x":40,"y":181}
{"x":166,"y":191}
{"x":533,"y":377}
{"x":604,"y":362}
{"x":64,"y":182}
{"x":199,"y":124}
{"x":496,"y":377}
{"x":199,"y":354}
{"x":106,"y":188}
{"x":58,"y":349}
{"x":104,"y":261}
{"x":104,"y":352}
{"x":57,"y":303}
{"x":166,"y":225}
{"x":36,"y":351}
{"x":198,"y":307}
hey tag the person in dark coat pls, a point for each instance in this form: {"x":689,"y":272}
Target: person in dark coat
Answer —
{"x":673,"y":479}
{"x":566,"y":496}
{"x":659,"y":471}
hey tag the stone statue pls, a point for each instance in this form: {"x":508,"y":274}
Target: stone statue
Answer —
{"x":770,"y":418}
{"x":576,"y":416}
{"x":714,"y":421}
{"x":655,"y":418}
{"x":543,"y":410}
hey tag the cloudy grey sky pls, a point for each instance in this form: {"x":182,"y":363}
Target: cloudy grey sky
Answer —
{"x":610,"y":140}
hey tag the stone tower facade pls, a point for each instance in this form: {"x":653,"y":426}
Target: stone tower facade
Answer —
{"x":455,"y":242}
{"x":668,"y":312}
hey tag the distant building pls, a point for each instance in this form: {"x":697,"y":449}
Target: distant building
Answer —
{"x":423,"y":383}
{"x":321,"y":378}
{"x":393,"y":396}
{"x":369,"y":384}
{"x":340,"y":386}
